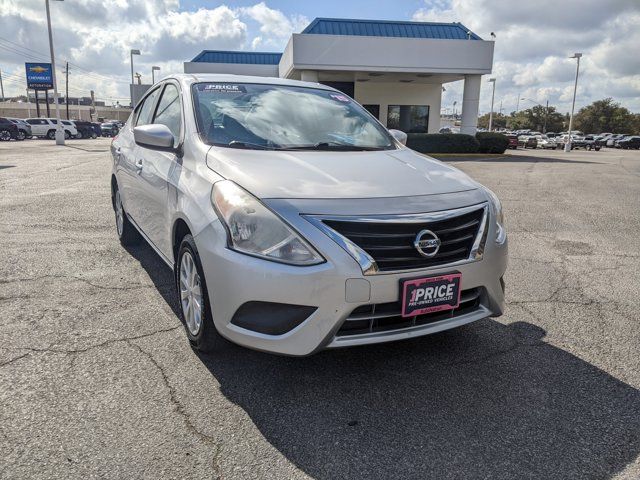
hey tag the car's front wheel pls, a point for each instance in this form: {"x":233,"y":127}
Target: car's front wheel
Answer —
{"x":5,"y":135}
{"x":194,"y":298}
{"x":127,"y":233}
{"x":21,"y":135}
{"x":79,"y":135}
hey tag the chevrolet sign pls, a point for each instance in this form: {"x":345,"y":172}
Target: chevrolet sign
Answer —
{"x":39,"y":76}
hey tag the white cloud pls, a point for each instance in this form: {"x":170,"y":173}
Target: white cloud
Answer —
{"x":97,"y":37}
{"x":535,"y":39}
{"x":274,"y":25}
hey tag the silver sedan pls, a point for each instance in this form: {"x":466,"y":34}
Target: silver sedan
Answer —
{"x":294,"y":221}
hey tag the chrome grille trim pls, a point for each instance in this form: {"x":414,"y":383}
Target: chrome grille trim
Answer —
{"x":367,"y":262}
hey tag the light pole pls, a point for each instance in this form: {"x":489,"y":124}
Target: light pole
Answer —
{"x":567,"y":146}
{"x":493,"y":94}
{"x":132,"y":53}
{"x":59,"y":130}
{"x":153,"y":77}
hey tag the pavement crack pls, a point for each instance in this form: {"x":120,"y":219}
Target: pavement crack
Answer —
{"x":14,"y":359}
{"x":51,"y":349}
{"x":79,"y":279}
{"x":180,"y":409}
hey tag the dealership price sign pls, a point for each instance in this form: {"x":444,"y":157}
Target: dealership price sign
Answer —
{"x":39,"y":76}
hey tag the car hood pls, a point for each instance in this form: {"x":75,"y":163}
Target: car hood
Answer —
{"x":322,"y":174}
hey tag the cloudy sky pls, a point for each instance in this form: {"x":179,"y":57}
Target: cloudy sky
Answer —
{"x":533,"y":40}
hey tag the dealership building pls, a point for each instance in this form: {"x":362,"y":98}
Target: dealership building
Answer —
{"x":396,"y":69}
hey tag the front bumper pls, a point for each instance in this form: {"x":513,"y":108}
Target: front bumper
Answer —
{"x":336,"y":288}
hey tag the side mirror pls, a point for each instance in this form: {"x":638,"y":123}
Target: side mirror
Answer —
{"x":154,"y":137}
{"x":399,"y":136}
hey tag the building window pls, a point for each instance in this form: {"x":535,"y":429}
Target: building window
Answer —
{"x":408,"y":118}
{"x":373,"y":110}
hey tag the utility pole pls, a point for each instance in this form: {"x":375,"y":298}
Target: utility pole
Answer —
{"x":66,"y":95}
{"x":493,"y":93}
{"x":1,"y":86}
{"x":59,"y":130}
{"x":546,"y":114}
{"x":567,"y":146}
{"x":138,"y":77}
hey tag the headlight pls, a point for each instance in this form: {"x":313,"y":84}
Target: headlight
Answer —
{"x":496,"y":210}
{"x":255,"y":230}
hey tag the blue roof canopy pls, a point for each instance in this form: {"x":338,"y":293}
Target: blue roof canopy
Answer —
{"x":384,"y":28}
{"x":252,"y":58}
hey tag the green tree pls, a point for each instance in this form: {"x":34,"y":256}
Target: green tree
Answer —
{"x":538,"y":118}
{"x":604,"y":116}
{"x":499,"y":120}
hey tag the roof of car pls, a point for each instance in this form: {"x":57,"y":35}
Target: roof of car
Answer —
{"x":189,"y":78}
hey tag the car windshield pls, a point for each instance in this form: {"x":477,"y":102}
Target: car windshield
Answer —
{"x":277,"y":117}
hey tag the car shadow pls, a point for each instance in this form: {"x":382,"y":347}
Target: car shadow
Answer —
{"x":2,"y":167}
{"x":488,"y":400}
{"x":159,"y":273}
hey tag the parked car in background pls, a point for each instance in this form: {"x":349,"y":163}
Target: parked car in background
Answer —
{"x":528,"y":141}
{"x":590,"y":143}
{"x":632,"y":142}
{"x":576,"y":141}
{"x":46,"y":127}
{"x":97,"y":128}
{"x":546,"y":143}
{"x":24,"y":129}
{"x":513,"y":141}
{"x":8,"y":130}
{"x":109,"y":129}
{"x":270,"y":254}
{"x":85,"y":129}
{"x":611,"y":141}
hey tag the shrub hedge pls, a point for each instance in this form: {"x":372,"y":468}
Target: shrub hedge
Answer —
{"x":443,"y":143}
{"x":491,"y":142}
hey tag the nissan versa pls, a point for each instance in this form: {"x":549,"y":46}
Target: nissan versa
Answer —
{"x":294,"y":221}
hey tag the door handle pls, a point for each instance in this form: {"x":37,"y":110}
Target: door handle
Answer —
{"x":139,"y":165}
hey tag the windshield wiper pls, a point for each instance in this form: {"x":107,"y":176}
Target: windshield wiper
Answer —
{"x":257,"y":146}
{"x":332,"y":146}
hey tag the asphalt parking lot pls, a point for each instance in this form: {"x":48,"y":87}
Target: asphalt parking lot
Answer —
{"x":97,"y":379}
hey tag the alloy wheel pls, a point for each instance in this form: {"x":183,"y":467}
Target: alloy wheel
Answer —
{"x":21,"y":135}
{"x":5,"y":136}
{"x":190,"y":294}
{"x":119,"y":213}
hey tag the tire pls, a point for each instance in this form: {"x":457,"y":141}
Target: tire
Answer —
{"x":51,"y":134}
{"x":127,"y":233}
{"x":203,"y":336}
{"x":5,"y":135}
{"x":21,"y":135}
{"x":94,"y":136}
{"x":79,"y":135}
{"x":67,"y":135}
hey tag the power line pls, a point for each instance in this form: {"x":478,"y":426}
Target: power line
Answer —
{"x":43,"y":57}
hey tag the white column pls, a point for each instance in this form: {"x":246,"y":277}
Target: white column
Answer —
{"x":470,"y":104}
{"x":309,"y":75}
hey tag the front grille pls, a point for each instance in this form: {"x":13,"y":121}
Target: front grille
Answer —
{"x":390,"y":243}
{"x":383,"y":317}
